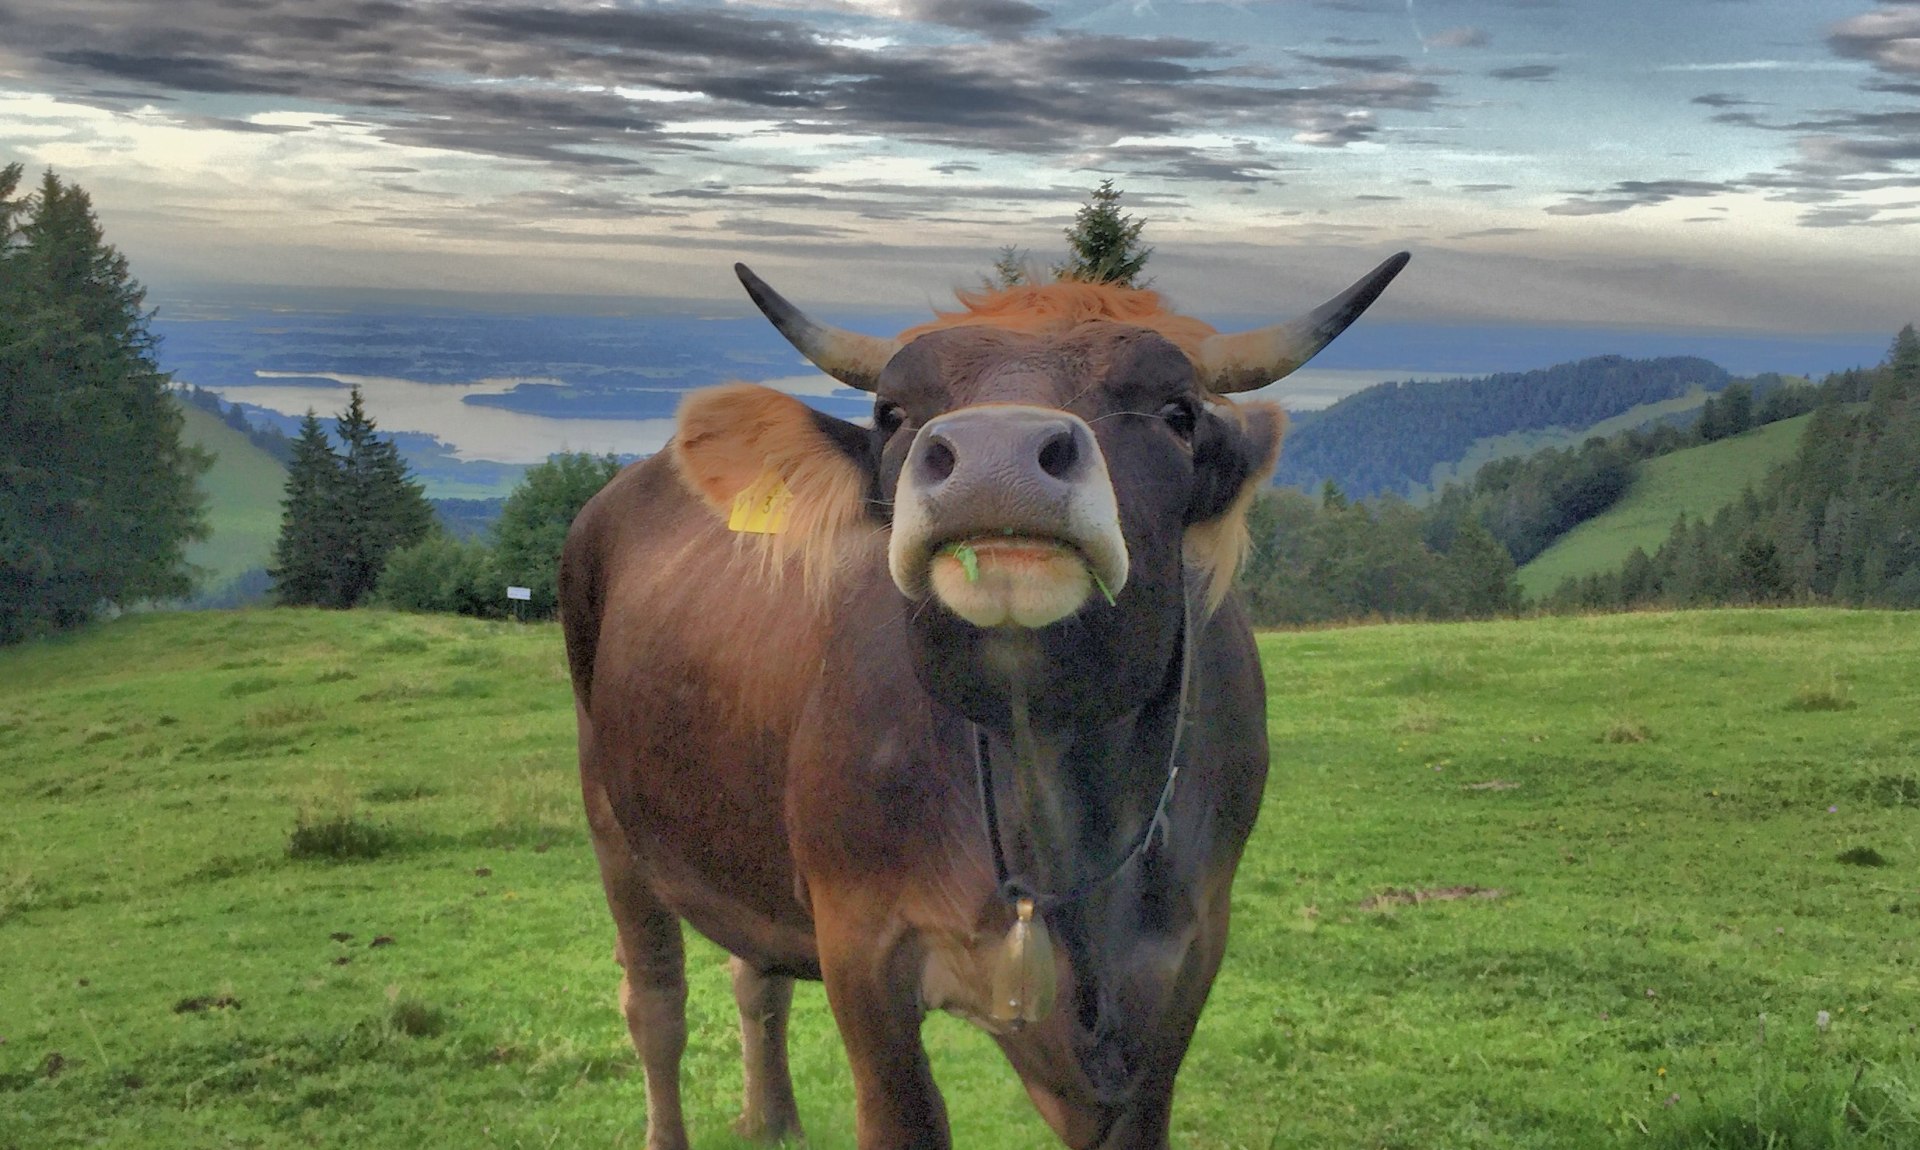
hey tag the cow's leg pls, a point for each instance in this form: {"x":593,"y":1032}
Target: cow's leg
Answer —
{"x":768,"y":1112}
{"x":872,"y":985}
{"x":653,"y":986}
{"x":1145,"y":1122}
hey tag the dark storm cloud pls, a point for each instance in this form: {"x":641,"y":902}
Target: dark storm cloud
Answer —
{"x":1376,"y":65}
{"x":1178,"y":162}
{"x":541,"y":84}
{"x":1533,"y":73}
{"x":1634,"y":194}
{"x":987,"y":17}
{"x":1858,"y":215}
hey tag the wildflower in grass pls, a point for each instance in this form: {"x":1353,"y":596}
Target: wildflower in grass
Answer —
{"x":1833,"y":810}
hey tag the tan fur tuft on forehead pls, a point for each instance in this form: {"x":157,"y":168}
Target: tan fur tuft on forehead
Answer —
{"x":1038,"y":309}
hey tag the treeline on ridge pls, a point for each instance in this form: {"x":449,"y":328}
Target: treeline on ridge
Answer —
{"x":1387,"y":439}
{"x":266,"y":437}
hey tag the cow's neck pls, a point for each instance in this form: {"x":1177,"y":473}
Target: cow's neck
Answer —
{"x":1074,"y":802}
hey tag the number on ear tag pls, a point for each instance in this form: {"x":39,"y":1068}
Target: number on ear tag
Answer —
{"x":761,"y":509}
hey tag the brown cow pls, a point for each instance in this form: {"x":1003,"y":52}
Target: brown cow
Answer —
{"x":903,"y":707}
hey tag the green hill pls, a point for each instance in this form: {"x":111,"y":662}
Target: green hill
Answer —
{"x":243,"y":501}
{"x":1567,"y":882}
{"x":1486,"y":450}
{"x":1697,"y":482}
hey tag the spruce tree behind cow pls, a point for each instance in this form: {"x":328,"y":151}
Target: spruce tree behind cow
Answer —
{"x":954,"y":711}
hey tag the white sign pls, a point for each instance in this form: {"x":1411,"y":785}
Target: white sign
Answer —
{"x":520,"y":593}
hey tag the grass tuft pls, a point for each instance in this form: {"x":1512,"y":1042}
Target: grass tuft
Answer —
{"x":416,"y":1019}
{"x":1891,"y":790}
{"x":1626,"y":729}
{"x":400,"y":792}
{"x":286,"y":715}
{"x":1861,"y":856}
{"x":339,"y":837}
{"x":251,"y":685}
{"x":1828,"y":696}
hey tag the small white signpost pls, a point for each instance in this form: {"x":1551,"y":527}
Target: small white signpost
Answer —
{"x":519,"y":595}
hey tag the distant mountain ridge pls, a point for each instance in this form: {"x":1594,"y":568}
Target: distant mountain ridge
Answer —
{"x":1389,"y":437}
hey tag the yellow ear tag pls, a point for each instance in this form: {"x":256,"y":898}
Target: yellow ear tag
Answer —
{"x":761,"y":509}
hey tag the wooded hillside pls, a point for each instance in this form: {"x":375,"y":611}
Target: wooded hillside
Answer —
{"x":1388,"y":438}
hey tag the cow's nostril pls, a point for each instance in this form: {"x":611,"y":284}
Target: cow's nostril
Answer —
{"x":938,"y":461}
{"x":1059,"y":453}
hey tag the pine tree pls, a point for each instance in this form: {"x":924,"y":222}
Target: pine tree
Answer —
{"x":1903,"y":358}
{"x":302,"y":570}
{"x":345,"y":512}
{"x":1103,"y":246}
{"x":380,"y":508}
{"x":1012,"y":269}
{"x":97,"y":492}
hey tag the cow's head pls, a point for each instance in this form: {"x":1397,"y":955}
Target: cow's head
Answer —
{"x":1048,"y":461}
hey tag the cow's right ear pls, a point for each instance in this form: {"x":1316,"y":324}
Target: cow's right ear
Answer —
{"x":777,"y":471}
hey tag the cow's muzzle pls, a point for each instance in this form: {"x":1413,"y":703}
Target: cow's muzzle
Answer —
{"x":1007,"y":515}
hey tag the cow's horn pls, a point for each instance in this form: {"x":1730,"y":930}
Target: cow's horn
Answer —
{"x":1249,"y":359}
{"x":847,"y":356}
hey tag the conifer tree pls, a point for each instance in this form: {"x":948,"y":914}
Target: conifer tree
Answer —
{"x":1103,"y":246}
{"x":380,"y":508}
{"x":97,"y":492}
{"x":345,"y":512}
{"x":302,"y":570}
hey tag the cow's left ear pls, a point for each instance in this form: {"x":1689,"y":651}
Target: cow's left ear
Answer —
{"x":780,"y":473}
{"x":1234,"y":449}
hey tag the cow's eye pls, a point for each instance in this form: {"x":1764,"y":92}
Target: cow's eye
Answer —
{"x":1182,"y":416}
{"x":888,"y":417}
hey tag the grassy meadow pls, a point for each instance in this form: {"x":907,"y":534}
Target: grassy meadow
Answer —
{"x":243,"y":489}
{"x":1695,"y":482}
{"x":297,"y":878}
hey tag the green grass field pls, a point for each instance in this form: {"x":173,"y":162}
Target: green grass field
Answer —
{"x":243,"y":491}
{"x":297,"y":878}
{"x":1696,"y":482}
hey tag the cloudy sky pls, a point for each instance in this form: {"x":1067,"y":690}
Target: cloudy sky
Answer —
{"x":1748,"y":164}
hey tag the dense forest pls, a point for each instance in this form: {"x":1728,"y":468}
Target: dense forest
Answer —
{"x":1839,"y":523}
{"x":1388,"y":438}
